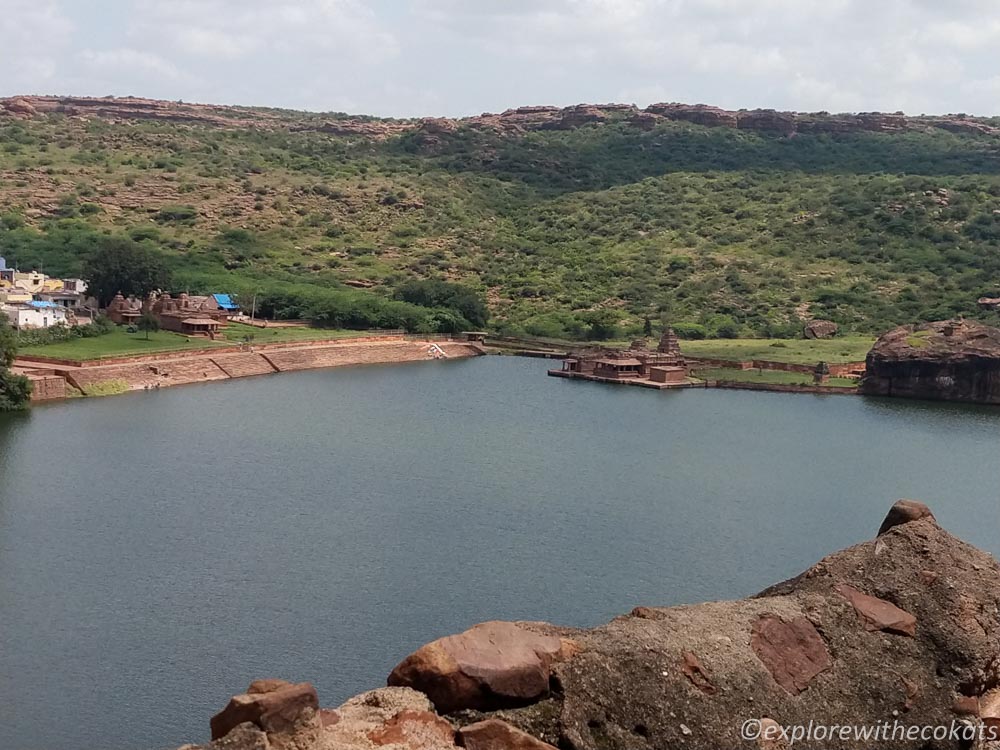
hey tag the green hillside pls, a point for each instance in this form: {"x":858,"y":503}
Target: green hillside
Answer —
{"x":565,"y":233}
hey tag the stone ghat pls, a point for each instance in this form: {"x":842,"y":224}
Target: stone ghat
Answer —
{"x":901,"y":628}
{"x":171,"y":370}
{"x":346,"y":354}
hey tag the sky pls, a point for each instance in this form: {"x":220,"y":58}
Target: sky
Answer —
{"x":409,"y":58}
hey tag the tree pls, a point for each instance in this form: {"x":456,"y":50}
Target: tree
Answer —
{"x":148,"y":322}
{"x":122,"y":265}
{"x":15,"y":390}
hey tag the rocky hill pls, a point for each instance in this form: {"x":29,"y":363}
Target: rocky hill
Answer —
{"x":512,"y":121}
{"x":951,"y":360}
{"x":897,"y":632}
{"x":577,"y":222}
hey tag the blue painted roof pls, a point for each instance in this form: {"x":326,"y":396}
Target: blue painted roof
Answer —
{"x":226,"y":302}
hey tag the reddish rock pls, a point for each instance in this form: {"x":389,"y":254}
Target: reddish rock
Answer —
{"x":494,"y":734}
{"x":695,"y":672}
{"x":492,"y":665}
{"x":793,"y":651}
{"x":820,"y":329}
{"x":280,"y":710}
{"x":950,"y":360}
{"x":966,"y":705}
{"x":878,"y":614}
{"x":20,"y":107}
{"x":267,"y":685}
{"x":904,"y":511}
{"x":414,"y":730}
{"x":699,"y":114}
{"x":767,"y":120}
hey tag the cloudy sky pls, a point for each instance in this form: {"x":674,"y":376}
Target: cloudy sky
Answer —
{"x":460,"y":57}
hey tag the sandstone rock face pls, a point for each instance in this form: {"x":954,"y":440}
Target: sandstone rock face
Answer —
{"x":878,"y":614}
{"x":492,"y":665}
{"x":511,"y":122}
{"x":273,"y":707}
{"x":494,"y":734}
{"x":820,"y":329}
{"x":905,"y":625}
{"x":951,"y":360}
{"x":793,"y":651}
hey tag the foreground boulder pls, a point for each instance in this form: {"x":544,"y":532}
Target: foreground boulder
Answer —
{"x":902,"y":628}
{"x":288,"y":714}
{"x":492,"y":665}
{"x":952,"y":360}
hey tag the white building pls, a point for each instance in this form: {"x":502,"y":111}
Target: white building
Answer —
{"x":36,"y":315}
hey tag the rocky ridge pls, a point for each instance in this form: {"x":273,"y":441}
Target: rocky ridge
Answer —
{"x":510,"y":122}
{"x":901,"y":629}
{"x":953,"y":360}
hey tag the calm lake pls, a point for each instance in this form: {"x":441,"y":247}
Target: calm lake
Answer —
{"x":160,"y":550}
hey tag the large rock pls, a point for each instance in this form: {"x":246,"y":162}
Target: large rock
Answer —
{"x":904,"y":511}
{"x":494,"y":734}
{"x":492,"y":665}
{"x":904,"y":625}
{"x":820,"y":329}
{"x":953,"y":360}
{"x":387,"y":719}
{"x":274,"y":706}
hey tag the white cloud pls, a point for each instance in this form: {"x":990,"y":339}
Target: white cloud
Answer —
{"x":422,"y":57}
{"x":34,"y":35}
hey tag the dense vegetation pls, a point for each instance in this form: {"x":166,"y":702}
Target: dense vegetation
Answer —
{"x":15,"y":390}
{"x":585,"y":233}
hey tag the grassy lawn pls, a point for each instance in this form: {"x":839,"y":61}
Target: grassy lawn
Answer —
{"x":769,"y":376}
{"x":237,"y":332}
{"x":118,"y":343}
{"x":798,"y":351}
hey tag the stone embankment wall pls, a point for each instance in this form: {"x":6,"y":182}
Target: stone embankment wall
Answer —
{"x":142,"y":373}
{"x":837,"y":370}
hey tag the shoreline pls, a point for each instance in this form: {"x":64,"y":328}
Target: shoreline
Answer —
{"x":56,"y":379}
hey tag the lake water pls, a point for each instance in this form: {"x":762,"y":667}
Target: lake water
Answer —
{"x":160,"y":550}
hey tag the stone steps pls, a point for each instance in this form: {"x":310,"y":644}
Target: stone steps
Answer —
{"x":244,"y":364}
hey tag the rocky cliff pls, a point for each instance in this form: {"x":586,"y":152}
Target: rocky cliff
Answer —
{"x":899,"y":631}
{"x":512,"y":121}
{"x":953,"y":360}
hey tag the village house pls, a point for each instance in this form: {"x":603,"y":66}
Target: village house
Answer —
{"x":34,"y":314}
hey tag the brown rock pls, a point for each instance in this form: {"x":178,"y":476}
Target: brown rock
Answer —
{"x":280,"y":710}
{"x":878,"y":614}
{"x":989,"y":711}
{"x":793,"y":652}
{"x":966,"y":705}
{"x":494,"y":734}
{"x":904,"y":511}
{"x":492,"y":665}
{"x":267,"y":685}
{"x":771,"y":736}
{"x":927,"y":577}
{"x":820,"y":329}
{"x":20,"y":107}
{"x":699,"y":114}
{"x":695,"y":672}
{"x":951,"y":360}
{"x":415,"y":730}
